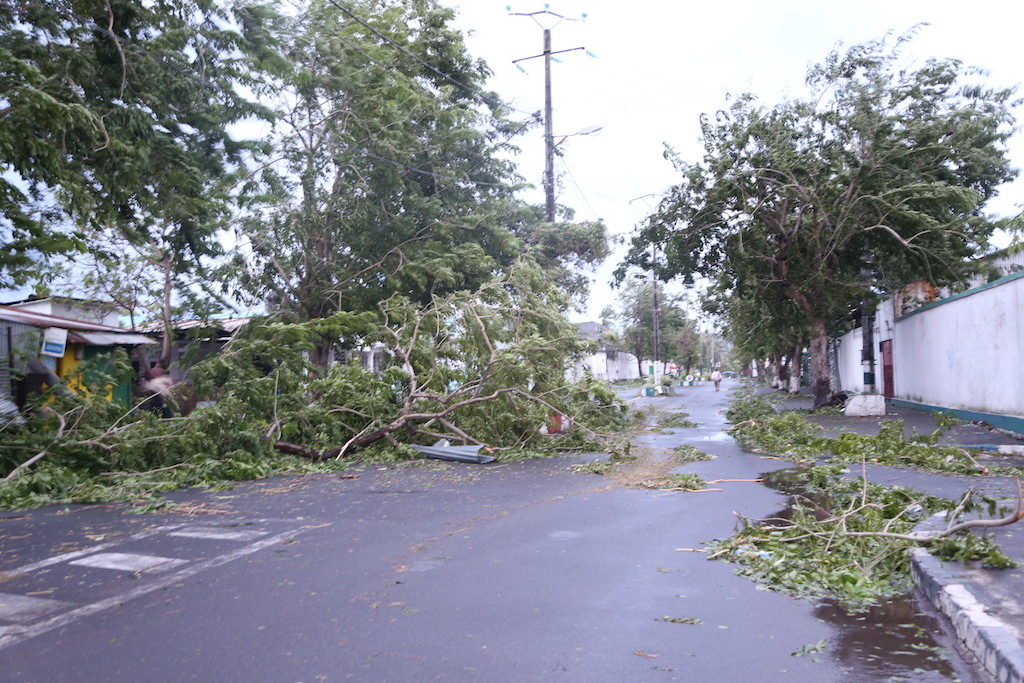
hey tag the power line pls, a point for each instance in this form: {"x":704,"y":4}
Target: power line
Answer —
{"x":583,"y":196}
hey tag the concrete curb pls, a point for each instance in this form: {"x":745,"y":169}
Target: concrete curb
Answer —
{"x":991,"y":640}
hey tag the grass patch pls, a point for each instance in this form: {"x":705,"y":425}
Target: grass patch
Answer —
{"x":676,"y":482}
{"x":687,"y":453}
{"x":809,"y":552}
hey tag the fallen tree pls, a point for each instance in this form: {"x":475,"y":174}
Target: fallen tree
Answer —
{"x":478,"y":368}
{"x":482,"y":368}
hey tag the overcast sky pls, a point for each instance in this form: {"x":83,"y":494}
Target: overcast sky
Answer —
{"x":658,"y":65}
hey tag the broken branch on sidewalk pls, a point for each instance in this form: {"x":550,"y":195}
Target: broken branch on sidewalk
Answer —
{"x":849,"y":538}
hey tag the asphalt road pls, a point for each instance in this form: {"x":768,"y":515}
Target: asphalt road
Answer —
{"x":513,"y":571}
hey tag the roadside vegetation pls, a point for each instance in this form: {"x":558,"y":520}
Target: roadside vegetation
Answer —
{"x":844,"y":537}
{"x":790,"y":210}
{"x":850,"y":539}
{"x":760,"y":428}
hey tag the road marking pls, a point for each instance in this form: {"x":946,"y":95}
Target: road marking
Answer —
{"x":24,"y":608}
{"x":218,"y":533}
{"x":14,"y":635}
{"x":64,"y":557}
{"x":129,"y":562}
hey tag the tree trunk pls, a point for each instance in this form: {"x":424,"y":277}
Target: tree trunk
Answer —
{"x":322,"y":354}
{"x":796,"y":368}
{"x":776,"y":361}
{"x":640,"y":366}
{"x":761,"y":372}
{"x":165,"y":313}
{"x":306,"y":452}
{"x":819,"y":363}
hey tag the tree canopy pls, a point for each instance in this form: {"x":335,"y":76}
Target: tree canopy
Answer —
{"x":383,"y":177}
{"x":115,"y":114}
{"x":801,"y":211}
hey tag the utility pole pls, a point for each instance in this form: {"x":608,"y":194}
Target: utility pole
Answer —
{"x":655,"y":310}
{"x":549,"y":135}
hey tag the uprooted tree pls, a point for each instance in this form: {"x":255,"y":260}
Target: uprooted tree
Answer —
{"x":879,"y":177}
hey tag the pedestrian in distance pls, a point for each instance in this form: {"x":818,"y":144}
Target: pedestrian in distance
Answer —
{"x":716,"y":377}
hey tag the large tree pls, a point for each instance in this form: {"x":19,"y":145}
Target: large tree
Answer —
{"x":385,"y":177}
{"x":877,"y":178}
{"x":114,"y":114}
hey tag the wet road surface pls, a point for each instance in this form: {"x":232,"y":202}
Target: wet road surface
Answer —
{"x":514,"y":571}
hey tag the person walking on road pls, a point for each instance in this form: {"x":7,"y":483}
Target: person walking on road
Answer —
{"x":716,"y":377}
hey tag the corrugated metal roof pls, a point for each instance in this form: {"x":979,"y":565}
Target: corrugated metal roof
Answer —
{"x":226,"y":324}
{"x":109,"y":338}
{"x":46,"y":320}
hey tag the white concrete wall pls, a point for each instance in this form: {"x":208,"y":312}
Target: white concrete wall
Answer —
{"x":611,"y":369}
{"x":967,"y":353}
{"x":851,"y":370}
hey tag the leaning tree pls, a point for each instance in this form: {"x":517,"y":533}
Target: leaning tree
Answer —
{"x":877,"y":178}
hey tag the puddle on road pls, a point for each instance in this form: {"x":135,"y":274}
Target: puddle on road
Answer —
{"x":717,"y":436}
{"x":898,"y":639}
{"x":893,"y":640}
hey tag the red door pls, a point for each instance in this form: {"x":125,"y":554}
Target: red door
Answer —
{"x":887,"y":368}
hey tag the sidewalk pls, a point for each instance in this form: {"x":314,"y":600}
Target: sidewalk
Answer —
{"x":985,"y":606}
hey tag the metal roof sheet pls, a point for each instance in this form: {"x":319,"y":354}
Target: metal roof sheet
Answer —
{"x":47,"y":320}
{"x":110,"y":338}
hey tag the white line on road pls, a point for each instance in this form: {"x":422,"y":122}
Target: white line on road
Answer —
{"x":129,"y":562}
{"x":64,"y":557}
{"x":16,"y":635}
{"x":23,"y":608}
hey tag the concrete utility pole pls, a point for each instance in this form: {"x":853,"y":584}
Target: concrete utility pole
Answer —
{"x":868,"y":402}
{"x":655,"y":310}
{"x":549,"y":135}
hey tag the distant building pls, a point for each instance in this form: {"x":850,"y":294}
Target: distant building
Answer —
{"x":40,"y":349}
{"x":193,"y":341}
{"x":86,"y":310}
{"x":609,"y":362}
